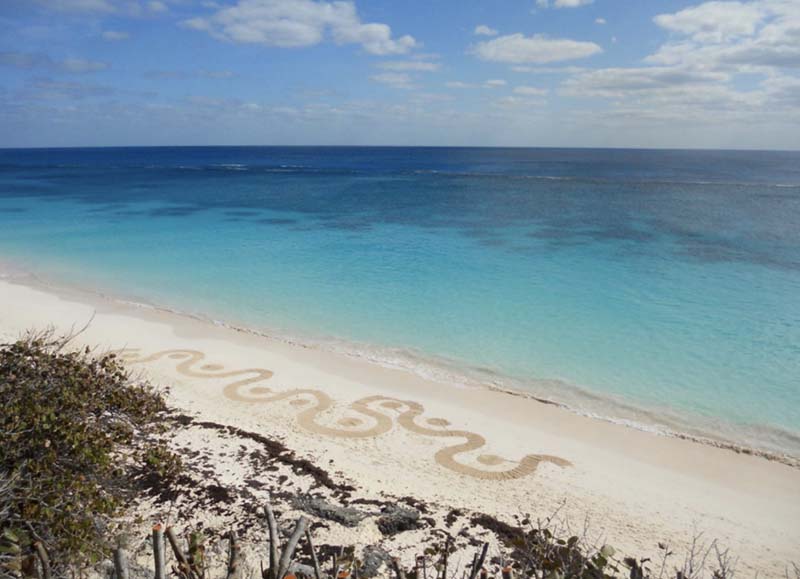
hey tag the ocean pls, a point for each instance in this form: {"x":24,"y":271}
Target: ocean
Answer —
{"x":656,"y":288}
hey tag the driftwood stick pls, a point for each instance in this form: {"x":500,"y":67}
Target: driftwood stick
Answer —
{"x":273,"y":542}
{"x":234,"y":568}
{"x":335,"y":566}
{"x":445,"y":557}
{"x":398,"y":570}
{"x":478,"y":562}
{"x":44,"y":560}
{"x":508,"y":572}
{"x":288,"y":551}
{"x":159,"y":556}
{"x":120,"y":563}
{"x":314,"y":560}
{"x":183,"y":563}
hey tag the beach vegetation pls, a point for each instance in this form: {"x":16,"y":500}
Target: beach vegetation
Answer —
{"x":77,"y":432}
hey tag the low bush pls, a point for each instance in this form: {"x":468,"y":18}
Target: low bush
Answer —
{"x":75,"y":428}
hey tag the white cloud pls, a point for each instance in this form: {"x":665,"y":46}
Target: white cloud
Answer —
{"x":600,"y":21}
{"x":216,"y":74}
{"x":764,"y":36}
{"x":693,"y":80}
{"x":206,"y":101}
{"x":548,"y":69}
{"x":619,"y":82}
{"x":77,"y":5}
{"x":458,"y":84}
{"x":80,"y":65}
{"x":157,"y":6}
{"x":562,"y":3}
{"x":714,"y":21}
{"x":516,"y":102}
{"x":483,"y":30}
{"x":129,"y":8}
{"x":299,"y":23}
{"x":32,"y":61}
{"x":186,"y":74}
{"x":491,"y":83}
{"x":409,"y":65}
{"x":113,"y":35}
{"x":783,"y":91}
{"x":537,"y":49}
{"x":394,"y":79}
{"x":530,"y":91}
{"x":45,"y":89}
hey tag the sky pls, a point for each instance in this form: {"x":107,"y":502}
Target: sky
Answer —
{"x":561,"y":73}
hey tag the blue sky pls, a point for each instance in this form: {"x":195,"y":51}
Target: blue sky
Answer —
{"x":616,"y":73}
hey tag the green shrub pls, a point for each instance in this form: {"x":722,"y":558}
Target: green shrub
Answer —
{"x":74,"y":428}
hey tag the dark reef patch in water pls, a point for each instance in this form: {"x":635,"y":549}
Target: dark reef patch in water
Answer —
{"x":275,"y":221}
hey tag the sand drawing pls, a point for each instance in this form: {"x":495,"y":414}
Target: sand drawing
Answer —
{"x":367,"y":417}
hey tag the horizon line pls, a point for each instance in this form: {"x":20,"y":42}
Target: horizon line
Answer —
{"x":541,"y":147}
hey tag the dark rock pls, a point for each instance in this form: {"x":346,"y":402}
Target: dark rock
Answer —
{"x":397,"y":519}
{"x":301,"y":570}
{"x":346,"y":516}
{"x":372,"y":558}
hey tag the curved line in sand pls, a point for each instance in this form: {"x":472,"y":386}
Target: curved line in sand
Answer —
{"x":243,"y":390}
{"x":472,"y":441}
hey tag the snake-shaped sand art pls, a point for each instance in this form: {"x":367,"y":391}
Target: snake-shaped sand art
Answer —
{"x":367,"y":417}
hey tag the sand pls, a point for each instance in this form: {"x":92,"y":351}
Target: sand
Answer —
{"x":395,"y":432}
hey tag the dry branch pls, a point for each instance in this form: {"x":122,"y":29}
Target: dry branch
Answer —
{"x":44,"y":560}
{"x":234,"y":558}
{"x":288,"y":551}
{"x":478,"y":562}
{"x":273,"y":542}
{"x":314,"y":560}
{"x":159,"y":556}
{"x":120,"y":563}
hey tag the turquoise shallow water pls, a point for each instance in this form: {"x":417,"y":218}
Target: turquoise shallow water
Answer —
{"x":661,"y":288}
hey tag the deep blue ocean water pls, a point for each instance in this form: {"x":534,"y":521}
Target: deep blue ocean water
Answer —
{"x":658,"y":287}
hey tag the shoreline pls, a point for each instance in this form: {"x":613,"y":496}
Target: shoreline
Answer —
{"x":448,"y":373}
{"x":402,"y":434}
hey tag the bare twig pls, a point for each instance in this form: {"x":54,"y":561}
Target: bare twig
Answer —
{"x":445,"y":557}
{"x":159,"y":557}
{"x":183,"y":563}
{"x":273,"y":541}
{"x":234,"y":567}
{"x":120,"y":563}
{"x":314,"y":560}
{"x":398,"y":570}
{"x":288,"y":551}
{"x":478,"y":564}
{"x":44,"y":560}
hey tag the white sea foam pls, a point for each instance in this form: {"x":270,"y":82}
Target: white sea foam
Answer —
{"x":771,"y":442}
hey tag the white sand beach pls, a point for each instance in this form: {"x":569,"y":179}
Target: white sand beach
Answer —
{"x":394,"y":432}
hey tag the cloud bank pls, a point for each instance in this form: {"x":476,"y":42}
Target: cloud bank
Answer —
{"x":300,"y":23}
